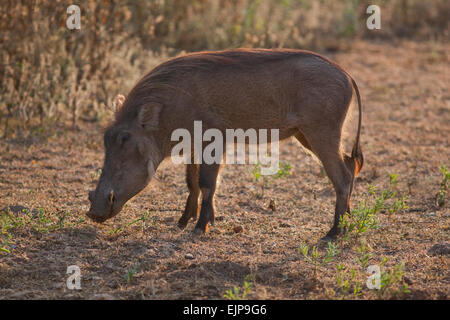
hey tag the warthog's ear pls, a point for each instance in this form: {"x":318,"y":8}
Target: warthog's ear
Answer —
{"x":148,"y":116}
{"x":118,"y":102}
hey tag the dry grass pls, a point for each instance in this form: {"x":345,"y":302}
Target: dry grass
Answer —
{"x":405,"y":131}
{"x":49,"y":74}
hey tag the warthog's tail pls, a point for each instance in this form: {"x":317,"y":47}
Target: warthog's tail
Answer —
{"x":357,"y":156}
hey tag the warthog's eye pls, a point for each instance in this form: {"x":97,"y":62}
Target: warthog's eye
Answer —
{"x":122,"y":137}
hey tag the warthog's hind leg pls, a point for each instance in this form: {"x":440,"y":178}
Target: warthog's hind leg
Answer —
{"x":328,"y":151}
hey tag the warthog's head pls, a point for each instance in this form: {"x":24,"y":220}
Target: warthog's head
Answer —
{"x":131,"y":158}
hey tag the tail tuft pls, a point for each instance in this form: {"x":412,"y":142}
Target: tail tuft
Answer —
{"x":358,"y":158}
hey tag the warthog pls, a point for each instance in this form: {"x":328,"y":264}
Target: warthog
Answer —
{"x":298,"y":92}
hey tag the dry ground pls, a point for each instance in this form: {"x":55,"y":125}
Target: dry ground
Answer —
{"x":405,"y":131}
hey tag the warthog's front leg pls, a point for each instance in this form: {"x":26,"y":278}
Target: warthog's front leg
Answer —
{"x":191,"y":209}
{"x":207,"y":182}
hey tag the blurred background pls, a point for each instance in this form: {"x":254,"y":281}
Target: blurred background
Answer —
{"x":50,"y":74}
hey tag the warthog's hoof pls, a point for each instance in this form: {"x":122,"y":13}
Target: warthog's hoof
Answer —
{"x":327,"y":239}
{"x":199,"y":231}
{"x":330,"y":237}
{"x":181,"y":225}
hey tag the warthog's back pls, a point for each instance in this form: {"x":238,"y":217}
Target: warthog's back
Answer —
{"x":256,"y":88}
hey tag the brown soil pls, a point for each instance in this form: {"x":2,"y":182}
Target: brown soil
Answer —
{"x":406,"y":131}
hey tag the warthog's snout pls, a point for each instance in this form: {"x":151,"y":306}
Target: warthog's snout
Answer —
{"x":102,"y":207}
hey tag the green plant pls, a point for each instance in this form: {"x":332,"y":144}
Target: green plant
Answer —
{"x":142,"y":219}
{"x":77,"y":223}
{"x":313,"y":257}
{"x":130,"y":274}
{"x":5,"y":241}
{"x":364,"y":217}
{"x":347,"y":281}
{"x":398,"y":204}
{"x":350,"y":282}
{"x":42,"y":223}
{"x":391,"y":193}
{"x":358,"y":220}
{"x":364,"y":256}
{"x":235,"y":292}
{"x":10,"y":221}
{"x":62,"y":219}
{"x":284,"y":169}
{"x":440,"y":196}
{"x":392,"y":281}
{"x":38,"y":221}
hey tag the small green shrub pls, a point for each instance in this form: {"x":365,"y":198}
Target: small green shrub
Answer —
{"x":441,"y":194}
{"x":363,"y":256}
{"x":364,"y":217}
{"x":392,"y":281}
{"x":313,"y":257}
{"x":36,"y":220}
{"x":350,"y":281}
{"x":284,"y":170}
{"x":347,"y":281}
{"x":235,"y":292}
{"x":130,"y":274}
{"x":141,"y":219}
